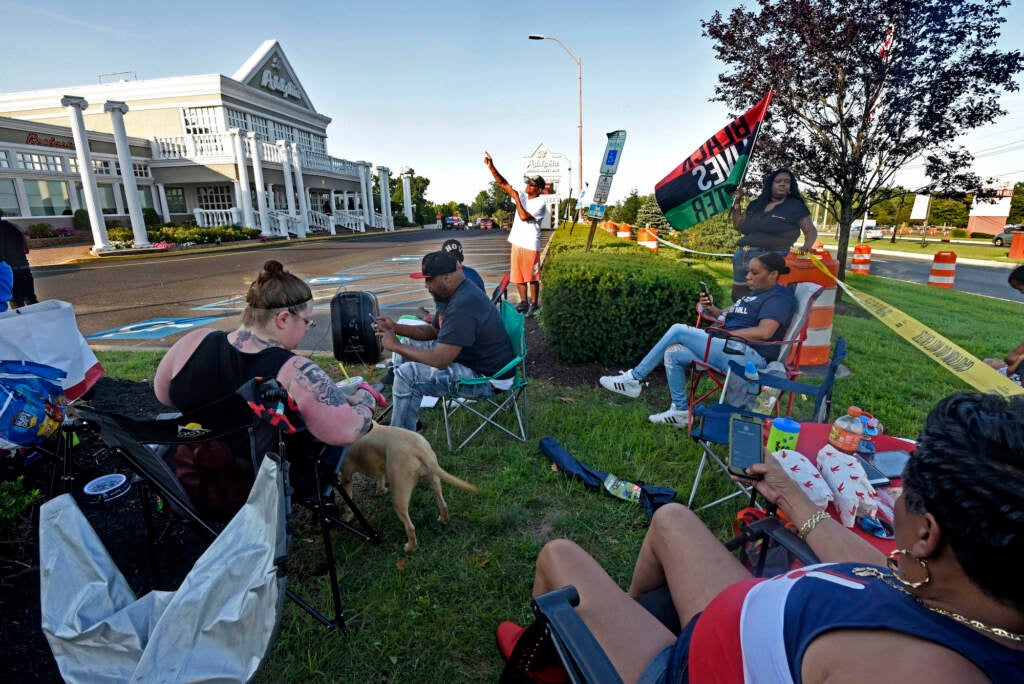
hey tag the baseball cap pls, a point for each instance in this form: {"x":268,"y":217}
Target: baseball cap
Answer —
{"x":454,"y":247}
{"x":437,"y":264}
{"x":539,"y":182}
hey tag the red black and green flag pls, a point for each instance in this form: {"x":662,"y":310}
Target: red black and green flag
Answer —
{"x":703,"y":185}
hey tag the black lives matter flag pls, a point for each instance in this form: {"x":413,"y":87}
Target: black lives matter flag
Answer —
{"x":703,"y":185}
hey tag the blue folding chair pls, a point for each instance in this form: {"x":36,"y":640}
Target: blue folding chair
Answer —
{"x":711,"y":425}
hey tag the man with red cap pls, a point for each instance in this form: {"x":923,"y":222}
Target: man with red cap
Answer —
{"x":466,"y":339}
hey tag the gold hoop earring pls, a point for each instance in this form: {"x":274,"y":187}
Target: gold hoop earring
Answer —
{"x":890,"y":561}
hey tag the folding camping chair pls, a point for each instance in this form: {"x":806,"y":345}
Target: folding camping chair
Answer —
{"x":788,"y":348}
{"x":711,"y":430}
{"x":219,"y":624}
{"x":500,"y":409}
{"x":257,"y":419}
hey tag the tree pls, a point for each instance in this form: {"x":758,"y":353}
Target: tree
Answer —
{"x":650,"y":215}
{"x":948,"y":211}
{"x":625,"y":210}
{"x":417,"y":190}
{"x":851,"y":108}
{"x":500,"y":201}
{"x":482,"y":205}
{"x":1017,"y":204}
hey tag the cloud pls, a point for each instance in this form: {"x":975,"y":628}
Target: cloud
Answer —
{"x":63,"y":18}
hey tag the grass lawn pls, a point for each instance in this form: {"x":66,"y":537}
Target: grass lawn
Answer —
{"x":431,"y":617}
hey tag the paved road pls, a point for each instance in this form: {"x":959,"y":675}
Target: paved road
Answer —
{"x":989,"y":281}
{"x":109,"y":296}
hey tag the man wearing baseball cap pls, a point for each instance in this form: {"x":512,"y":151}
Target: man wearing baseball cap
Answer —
{"x":454,"y":247}
{"x":465,"y":340}
{"x":531,"y":209}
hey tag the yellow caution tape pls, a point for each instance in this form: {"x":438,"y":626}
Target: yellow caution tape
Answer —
{"x":944,"y":352}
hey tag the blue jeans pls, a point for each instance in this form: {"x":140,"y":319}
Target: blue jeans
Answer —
{"x":678,"y":347}
{"x":414,"y":380}
{"x":741,"y":260}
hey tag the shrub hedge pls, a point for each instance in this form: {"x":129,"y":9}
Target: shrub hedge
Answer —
{"x":182,"y":234}
{"x":612,"y":304}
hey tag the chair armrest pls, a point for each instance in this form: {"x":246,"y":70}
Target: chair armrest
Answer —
{"x":479,"y":381}
{"x":582,"y":656}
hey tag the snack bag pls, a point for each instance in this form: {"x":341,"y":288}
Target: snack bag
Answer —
{"x":845,"y":476}
{"x":802,"y":471}
{"x":31,"y":403}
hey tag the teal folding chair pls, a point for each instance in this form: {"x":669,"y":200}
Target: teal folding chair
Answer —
{"x":506,"y":409}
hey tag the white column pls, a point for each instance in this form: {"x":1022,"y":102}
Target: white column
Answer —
{"x":241,"y":161}
{"x":75,"y":106}
{"x":300,"y":188}
{"x":286,"y":169}
{"x":270,"y":197}
{"x":385,"y":196}
{"x":117,"y":110}
{"x":165,"y":210}
{"x":366,"y":188}
{"x":257,"y":179}
{"x":407,"y":196}
{"x":334,"y":208}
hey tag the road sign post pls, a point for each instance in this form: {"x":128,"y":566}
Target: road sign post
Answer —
{"x":609,"y":164}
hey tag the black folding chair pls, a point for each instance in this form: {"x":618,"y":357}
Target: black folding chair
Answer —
{"x":253,"y":422}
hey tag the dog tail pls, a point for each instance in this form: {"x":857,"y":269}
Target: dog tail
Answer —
{"x":451,"y":479}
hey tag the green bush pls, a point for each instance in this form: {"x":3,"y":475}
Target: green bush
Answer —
{"x":958,"y":233}
{"x":40,"y":230}
{"x":714,"y":236}
{"x":984,"y":236}
{"x":180,"y":234}
{"x":612,"y":307}
{"x":150,"y":217}
{"x":80,"y":220}
{"x":14,"y":499}
{"x":119,"y":234}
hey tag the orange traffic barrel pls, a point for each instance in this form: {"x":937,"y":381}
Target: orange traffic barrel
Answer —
{"x":610,"y":227}
{"x":817,"y":348}
{"x":943,"y":270}
{"x":647,"y":237}
{"x":624,"y":231}
{"x":861,"y":259}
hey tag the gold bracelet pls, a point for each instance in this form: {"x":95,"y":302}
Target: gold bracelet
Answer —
{"x":811,"y":523}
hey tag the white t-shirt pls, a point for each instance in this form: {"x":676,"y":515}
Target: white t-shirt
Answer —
{"x":527,"y":235}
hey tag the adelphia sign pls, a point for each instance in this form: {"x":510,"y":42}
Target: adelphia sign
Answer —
{"x":34,"y":139}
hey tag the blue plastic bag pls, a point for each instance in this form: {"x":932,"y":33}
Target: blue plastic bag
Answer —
{"x":31,"y":403}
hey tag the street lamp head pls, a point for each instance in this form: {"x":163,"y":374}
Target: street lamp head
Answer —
{"x":536,"y":36}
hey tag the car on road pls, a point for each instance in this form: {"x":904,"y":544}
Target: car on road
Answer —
{"x":1006,"y":236}
{"x":872,"y":233}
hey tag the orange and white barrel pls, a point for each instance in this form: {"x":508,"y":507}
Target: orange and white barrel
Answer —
{"x":943,"y":270}
{"x":610,"y":227}
{"x":624,"y":231}
{"x":861,"y":259}
{"x":817,"y":348}
{"x":647,"y":237}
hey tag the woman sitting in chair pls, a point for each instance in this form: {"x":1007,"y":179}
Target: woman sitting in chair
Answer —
{"x":947,"y":606}
{"x":208,"y":364}
{"x":763,"y":314}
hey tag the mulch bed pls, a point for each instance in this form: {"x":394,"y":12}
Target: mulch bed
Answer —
{"x":27,"y":655}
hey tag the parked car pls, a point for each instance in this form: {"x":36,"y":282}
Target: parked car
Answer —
{"x":872,"y":233}
{"x":1006,"y":236}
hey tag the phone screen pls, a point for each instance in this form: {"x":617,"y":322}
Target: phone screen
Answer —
{"x":875,"y":476}
{"x":891,"y":463}
{"x":745,"y":436}
{"x":703,"y":287}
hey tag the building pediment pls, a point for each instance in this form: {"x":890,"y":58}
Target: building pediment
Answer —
{"x":269,"y":71}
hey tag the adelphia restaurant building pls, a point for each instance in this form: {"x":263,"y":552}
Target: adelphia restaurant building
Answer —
{"x":247,"y":149}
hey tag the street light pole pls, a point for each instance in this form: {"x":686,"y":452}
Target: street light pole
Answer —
{"x":579,"y":89}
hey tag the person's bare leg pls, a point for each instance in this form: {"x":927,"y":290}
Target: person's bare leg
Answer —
{"x":680,"y":551}
{"x":626,"y":631}
{"x":521,"y":289}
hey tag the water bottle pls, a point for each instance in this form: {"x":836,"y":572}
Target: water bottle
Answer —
{"x":751,"y":376}
{"x":847,"y":431}
{"x":871,"y":427}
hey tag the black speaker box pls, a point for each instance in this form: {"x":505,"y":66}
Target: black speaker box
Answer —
{"x":352,"y":336}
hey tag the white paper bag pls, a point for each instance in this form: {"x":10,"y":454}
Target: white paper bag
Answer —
{"x":47,"y":333}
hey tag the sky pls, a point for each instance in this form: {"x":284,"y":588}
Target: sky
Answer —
{"x":432,"y":85}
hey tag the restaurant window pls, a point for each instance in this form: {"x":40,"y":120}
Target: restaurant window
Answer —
{"x":47,"y":198}
{"x":260,"y":126}
{"x":145,"y":197}
{"x":39,"y":162}
{"x":9,"y":198}
{"x":213,"y":197}
{"x":200,"y":120}
{"x":175,"y":200}
{"x":4,"y":161}
{"x":236,"y":119}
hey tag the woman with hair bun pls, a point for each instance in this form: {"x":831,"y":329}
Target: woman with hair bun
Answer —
{"x":761,"y":315}
{"x":208,"y":364}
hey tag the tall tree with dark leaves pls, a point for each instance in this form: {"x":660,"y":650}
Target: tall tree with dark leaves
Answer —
{"x":863,"y":87}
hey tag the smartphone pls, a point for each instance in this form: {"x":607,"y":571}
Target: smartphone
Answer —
{"x":703,"y":288}
{"x":875,"y":476}
{"x":891,"y":463}
{"x":745,"y":440}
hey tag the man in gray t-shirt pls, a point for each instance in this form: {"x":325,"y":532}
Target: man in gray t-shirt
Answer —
{"x":466,"y":339}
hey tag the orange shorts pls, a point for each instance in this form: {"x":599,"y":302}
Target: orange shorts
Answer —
{"x":525,"y":266}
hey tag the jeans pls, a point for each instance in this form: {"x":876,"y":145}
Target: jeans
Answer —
{"x":741,"y":260}
{"x":678,"y":347}
{"x":414,"y":380}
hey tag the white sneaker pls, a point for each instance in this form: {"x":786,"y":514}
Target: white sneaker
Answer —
{"x":623,"y":383}
{"x":679,"y":418}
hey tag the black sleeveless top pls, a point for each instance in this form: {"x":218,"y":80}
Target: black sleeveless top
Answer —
{"x":217,"y":369}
